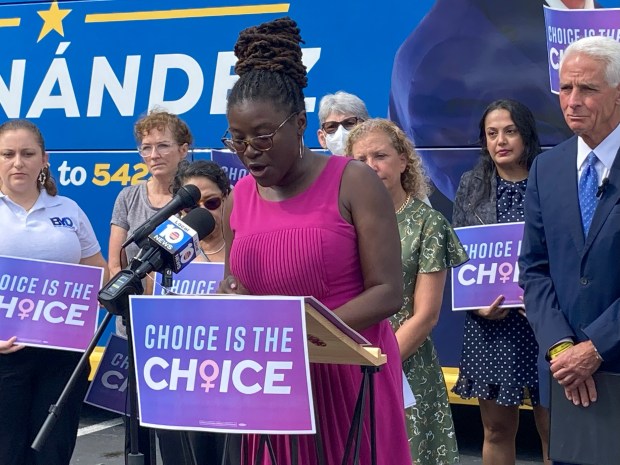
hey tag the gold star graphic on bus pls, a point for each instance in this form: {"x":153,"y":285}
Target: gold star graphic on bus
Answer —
{"x":52,"y":20}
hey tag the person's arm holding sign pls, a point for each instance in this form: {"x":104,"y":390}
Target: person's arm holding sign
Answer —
{"x":462,"y":214}
{"x":9,"y":346}
{"x":98,"y":261}
{"x":494,"y":311}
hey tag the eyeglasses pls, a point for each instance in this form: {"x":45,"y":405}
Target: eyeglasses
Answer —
{"x":164,"y":148}
{"x":331,"y":127}
{"x":260,"y":143}
{"x":210,"y":204}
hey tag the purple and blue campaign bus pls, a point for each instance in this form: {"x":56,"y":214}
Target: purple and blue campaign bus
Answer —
{"x":84,"y":71}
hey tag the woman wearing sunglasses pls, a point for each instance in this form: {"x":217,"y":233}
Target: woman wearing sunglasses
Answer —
{"x":214,"y":189}
{"x":339,"y":113}
{"x":163,"y":142}
{"x":214,"y":185}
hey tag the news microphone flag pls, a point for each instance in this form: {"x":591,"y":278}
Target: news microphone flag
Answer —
{"x":186,"y":197}
{"x":178,"y":242}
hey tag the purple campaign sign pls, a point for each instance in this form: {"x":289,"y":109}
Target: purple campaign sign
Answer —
{"x":48,"y":304}
{"x":563,"y":27}
{"x":195,"y":278}
{"x":230,"y":163}
{"x":109,"y":389}
{"x":492,"y":269}
{"x":222,"y":363}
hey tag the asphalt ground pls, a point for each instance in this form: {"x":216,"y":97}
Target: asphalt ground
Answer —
{"x":101,"y":437}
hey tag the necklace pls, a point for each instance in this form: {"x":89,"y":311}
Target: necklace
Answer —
{"x":215,"y":251}
{"x":405,"y":203}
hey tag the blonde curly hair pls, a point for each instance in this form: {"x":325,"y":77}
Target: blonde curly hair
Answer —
{"x":413,"y":179}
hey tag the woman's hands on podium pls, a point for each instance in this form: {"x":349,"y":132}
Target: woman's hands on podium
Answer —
{"x":231,"y":285}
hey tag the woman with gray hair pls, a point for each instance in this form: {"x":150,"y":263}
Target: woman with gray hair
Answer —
{"x":339,"y":113}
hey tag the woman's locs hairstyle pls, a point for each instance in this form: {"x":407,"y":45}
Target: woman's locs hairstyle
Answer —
{"x":269,"y":66}
{"x":45,"y":179}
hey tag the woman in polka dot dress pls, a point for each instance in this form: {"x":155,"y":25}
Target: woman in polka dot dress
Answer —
{"x":498,"y":361}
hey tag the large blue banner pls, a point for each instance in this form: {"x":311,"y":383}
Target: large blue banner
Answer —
{"x":85,"y":71}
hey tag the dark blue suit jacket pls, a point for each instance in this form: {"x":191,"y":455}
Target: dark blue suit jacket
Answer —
{"x":572,"y":283}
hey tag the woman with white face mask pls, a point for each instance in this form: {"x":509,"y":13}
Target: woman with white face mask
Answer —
{"x":339,"y":113}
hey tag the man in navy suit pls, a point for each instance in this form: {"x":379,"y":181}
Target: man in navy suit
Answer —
{"x":571,"y":247}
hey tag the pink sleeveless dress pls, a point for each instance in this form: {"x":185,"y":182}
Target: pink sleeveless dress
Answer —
{"x":303,"y":246}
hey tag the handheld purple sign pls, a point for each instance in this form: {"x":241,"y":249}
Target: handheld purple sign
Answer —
{"x":563,"y":27}
{"x":492,"y":269}
{"x":48,"y":304}
{"x":231,"y":164}
{"x":196,"y":278}
{"x":109,"y":389}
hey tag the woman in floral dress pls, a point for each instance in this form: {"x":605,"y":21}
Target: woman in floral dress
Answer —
{"x":429,"y":247}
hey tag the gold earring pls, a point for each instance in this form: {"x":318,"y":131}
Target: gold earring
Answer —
{"x":42,"y":176}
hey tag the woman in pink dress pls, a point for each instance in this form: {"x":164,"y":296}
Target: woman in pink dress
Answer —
{"x":308,"y":224}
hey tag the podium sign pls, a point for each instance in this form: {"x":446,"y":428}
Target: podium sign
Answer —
{"x":222,"y":363}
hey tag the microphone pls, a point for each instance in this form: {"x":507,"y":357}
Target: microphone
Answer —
{"x":186,"y":197}
{"x":175,"y":240}
{"x":174,"y":245}
{"x":601,"y":189}
{"x":178,"y":239}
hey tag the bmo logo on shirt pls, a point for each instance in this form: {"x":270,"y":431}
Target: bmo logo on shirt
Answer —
{"x":65,"y":222}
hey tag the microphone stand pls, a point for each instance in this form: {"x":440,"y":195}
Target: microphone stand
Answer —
{"x":55,"y":410}
{"x":135,"y":457}
{"x":126,"y":282}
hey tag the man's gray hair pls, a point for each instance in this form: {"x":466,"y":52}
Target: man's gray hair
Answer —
{"x":602,"y":49}
{"x":343,"y":103}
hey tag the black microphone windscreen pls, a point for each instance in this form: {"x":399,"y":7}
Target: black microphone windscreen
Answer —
{"x":200,"y":220}
{"x":189,"y":194}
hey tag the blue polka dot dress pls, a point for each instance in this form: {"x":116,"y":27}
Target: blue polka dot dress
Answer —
{"x":498,"y":361}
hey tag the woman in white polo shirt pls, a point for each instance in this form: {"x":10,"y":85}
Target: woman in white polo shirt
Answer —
{"x":31,"y":379}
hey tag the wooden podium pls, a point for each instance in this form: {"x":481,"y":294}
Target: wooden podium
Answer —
{"x":331,"y":341}
{"x":327,"y":340}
